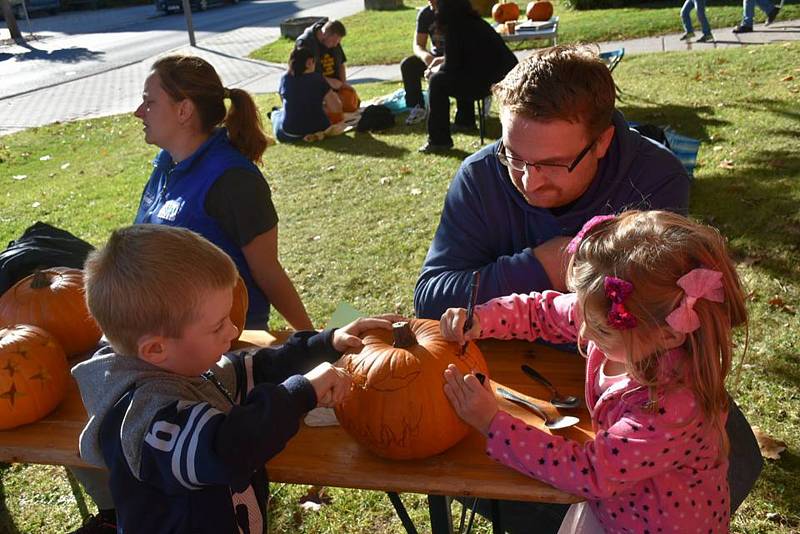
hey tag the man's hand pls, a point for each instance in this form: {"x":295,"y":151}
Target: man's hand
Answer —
{"x":554,"y":258}
{"x":473,"y":402}
{"x":348,"y":337}
{"x":434,"y":67}
{"x":331,"y":384}
{"x":452,"y":325}
{"x":335,"y":83}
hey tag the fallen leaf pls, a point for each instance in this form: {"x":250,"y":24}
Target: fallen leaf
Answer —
{"x":726,"y":164}
{"x":416,"y":191}
{"x":331,"y":168}
{"x":770,"y":447}
{"x":776,"y":302}
{"x":19,"y":176}
{"x":65,"y":166}
{"x":44,"y":158}
{"x":405,"y":170}
{"x":788,"y":78}
{"x":36,"y":204}
{"x":315,"y":498}
{"x":717,"y":148}
{"x":315,"y":238}
{"x":385,"y":180}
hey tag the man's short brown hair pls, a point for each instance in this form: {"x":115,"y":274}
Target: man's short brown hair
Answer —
{"x":149,"y":280}
{"x":335,"y":27}
{"x":567,"y":83}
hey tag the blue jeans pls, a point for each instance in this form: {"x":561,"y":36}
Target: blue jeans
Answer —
{"x":749,"y":9}
{"x":686,"y":13}
{"x":277,"y":118}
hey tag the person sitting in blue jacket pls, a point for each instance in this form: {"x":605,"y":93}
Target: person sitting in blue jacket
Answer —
{"x":184,"y":426}
{"x":565,"y":155}
{"x":308,"y":101}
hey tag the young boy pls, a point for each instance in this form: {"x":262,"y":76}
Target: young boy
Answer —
{"x":185,"y":429}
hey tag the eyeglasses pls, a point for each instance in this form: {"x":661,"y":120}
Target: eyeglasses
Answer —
{"x":549,"y":169}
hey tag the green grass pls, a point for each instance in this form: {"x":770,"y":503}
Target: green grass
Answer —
{"x":382,"y":37}
{"x":358,"y":213}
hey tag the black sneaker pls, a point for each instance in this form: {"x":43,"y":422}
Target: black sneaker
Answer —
{"x":706,"y":38}
{"x":98,"y":524}
{"x":772,"y":15}
{"x":741,"y":28}
{"x":432,"y":148}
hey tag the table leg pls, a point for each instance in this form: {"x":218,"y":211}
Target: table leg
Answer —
{"x":497,"y":523}
{"x":402,"y":513}
{"x":439,"y":509}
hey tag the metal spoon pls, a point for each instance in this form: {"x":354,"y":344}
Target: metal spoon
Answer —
{"x":553,"y":423}
{"x":558,"y":400}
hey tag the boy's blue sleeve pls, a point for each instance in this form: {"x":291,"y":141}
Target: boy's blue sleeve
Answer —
{"x":466,"y":240}
{"x":189,"y":446}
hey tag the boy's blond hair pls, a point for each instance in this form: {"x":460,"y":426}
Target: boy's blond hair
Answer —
{"x":149,"y":280}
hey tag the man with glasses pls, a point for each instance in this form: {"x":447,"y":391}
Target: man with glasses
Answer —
{"x":565,"y":156}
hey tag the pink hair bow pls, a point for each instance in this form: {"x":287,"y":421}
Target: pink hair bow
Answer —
{"x":617,"y":291}
{"x":591,"y":223}
{"x":697,"y":284}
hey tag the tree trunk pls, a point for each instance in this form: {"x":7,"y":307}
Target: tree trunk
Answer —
{"x":11,"y":20}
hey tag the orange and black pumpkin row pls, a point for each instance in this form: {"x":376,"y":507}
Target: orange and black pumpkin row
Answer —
{"x":53,"y":299}
{"x":398,"y":408}
{"x":33,"y":375}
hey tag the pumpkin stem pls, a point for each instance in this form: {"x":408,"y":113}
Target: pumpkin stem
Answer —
{"x":403,"y":336}
{"x":40,"y":280}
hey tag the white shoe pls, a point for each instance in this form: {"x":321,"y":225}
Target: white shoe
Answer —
{"x":417,"y":114}
{"x":487,"y":106}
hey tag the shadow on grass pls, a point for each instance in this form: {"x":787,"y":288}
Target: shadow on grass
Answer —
{"x":7,"y":525}
{"x":362,"y":144}
{"x":783,"y":474}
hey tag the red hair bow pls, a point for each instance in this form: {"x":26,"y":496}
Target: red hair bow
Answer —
{"x":617,"y":291}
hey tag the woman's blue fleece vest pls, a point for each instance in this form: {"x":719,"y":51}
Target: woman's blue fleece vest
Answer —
{"x":176,"y":196}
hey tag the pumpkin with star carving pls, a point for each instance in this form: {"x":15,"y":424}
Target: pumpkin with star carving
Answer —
{"x":398,"y":408}
{"x":33,"y":375}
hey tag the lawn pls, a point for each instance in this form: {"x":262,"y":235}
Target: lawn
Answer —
{"x":358,"y":213}
{"x":383,"y":37}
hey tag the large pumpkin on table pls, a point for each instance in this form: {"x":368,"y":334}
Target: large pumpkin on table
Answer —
{"x":53,"y":299}
{"x":33,"y":375}
{"x":540,"y":10}
{"x":505,"y":11}
{"x":398,"y":408}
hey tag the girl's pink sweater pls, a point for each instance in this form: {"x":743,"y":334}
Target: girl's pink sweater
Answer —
{"x":649,"y":469}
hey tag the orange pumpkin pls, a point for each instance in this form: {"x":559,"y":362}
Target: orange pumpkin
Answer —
{"x":238,"y":313}
{"x":349,"y":98}
{"x":398,"y":408}
{"x":53,"y":299}
{"x":33,"y":375}
{"x":539,"y":11}
{"x":505,"y":11}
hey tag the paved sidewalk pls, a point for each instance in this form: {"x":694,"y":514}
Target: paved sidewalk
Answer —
{"x":119,"y":90}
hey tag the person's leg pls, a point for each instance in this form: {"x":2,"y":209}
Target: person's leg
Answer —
{"x":465,"y":112}
{"x":412,"y":68}
{"x":744,"y":457}
{"x":765,"y":5}
{"x":439,"y":91}
{"x":686,"y":15}
{"x":748,"y":10}
{"x":96,"y":483}
{"x":700,"y":5}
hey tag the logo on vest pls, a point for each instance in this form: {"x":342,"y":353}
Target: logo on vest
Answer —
{"x":169,"y":211}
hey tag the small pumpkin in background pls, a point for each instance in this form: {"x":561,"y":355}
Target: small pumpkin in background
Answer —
{"x":538,"y":11}
{"x":505,"y":11}
{"x":53,"y":299}
{"x":398,"y":408}
{"x":33,"y":375}
{"x":241,"y":301}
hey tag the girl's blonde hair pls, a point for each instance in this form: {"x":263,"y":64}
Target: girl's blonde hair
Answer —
{"x":184,"y":76}
{"x":652,"y":250}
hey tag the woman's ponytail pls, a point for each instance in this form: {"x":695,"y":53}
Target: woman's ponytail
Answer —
{"x":245,"y":129}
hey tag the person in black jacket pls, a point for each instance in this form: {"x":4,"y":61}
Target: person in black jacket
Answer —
{"x":184,"y":426}
{"x":475,"y":57}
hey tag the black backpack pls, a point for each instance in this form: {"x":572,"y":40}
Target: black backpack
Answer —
{"x":375,"y":118}
{"x":656,"y":133}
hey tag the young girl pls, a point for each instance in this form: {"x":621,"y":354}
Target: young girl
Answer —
{"x":309,"y":104}
{"x":655,"y":298}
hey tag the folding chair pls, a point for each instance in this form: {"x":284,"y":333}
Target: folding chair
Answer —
{"x":612,"y":59}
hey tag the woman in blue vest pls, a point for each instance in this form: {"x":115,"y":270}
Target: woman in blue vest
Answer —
{"x":205,"y":178}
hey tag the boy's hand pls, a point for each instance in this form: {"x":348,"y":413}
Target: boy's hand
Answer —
{"x":473,"y":402}
{"x":347,"y":337}
{"x":331,"y":384}
{"x":452,"y":325}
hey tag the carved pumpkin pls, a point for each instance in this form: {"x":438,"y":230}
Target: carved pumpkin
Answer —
{"x":53,"y":299}
{"x":539,"y":11}
{"x":33,"y":375}
{"x":398,"y":408}
{"x":238,"y":313}
{"x":505,"y":11}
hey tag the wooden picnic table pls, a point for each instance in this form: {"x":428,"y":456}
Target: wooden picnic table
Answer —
{"x":328,"y":456}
